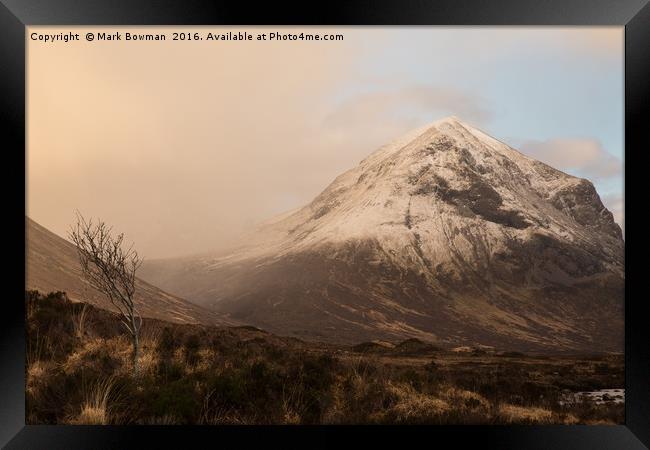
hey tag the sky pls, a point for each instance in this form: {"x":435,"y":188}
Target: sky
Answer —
{"x":185,"y":145}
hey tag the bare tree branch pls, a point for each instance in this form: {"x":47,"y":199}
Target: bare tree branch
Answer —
{"x":110,"y":267}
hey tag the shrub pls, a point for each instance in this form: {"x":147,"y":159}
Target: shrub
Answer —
{"x":167,"y":344}
{"x":413,"y":378}
{"x":170,"y":370}
{"x":228,"y":390}
{"x":177,"y":398}
{"x":192,"y":346}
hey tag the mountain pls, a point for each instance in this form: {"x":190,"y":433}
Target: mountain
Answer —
{"x":53,"y":265}
{"x":446,"y":235}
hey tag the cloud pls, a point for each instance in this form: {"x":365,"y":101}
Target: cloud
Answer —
{"x":363,"y":122}
{"x":407,"y":103}
{"x":181,"y":147}
{"x":582,"y":157}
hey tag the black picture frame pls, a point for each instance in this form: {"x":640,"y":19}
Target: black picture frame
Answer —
{"x":16,"y":15}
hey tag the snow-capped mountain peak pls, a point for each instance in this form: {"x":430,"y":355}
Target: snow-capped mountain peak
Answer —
{"x":445,"y":233}
{"x":446,"y":176}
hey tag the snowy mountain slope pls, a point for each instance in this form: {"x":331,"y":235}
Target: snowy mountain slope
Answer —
{"x":446,"y":234}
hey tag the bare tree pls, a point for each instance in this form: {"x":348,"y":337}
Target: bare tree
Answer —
{"x":110,"y":268}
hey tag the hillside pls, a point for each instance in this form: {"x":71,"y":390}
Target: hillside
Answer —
{"x":53,"y":265}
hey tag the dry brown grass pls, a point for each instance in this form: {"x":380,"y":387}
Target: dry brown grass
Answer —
{"x":36,"y":368}
{"x":150,"y":334}
{"x":91,"y":415}
{"x":79,"y":321}
{"x":229,"y":378}
{"x":464,"y":400}
{"x":36,"y":376}
{"x":147,"y":361}
{"x":30,"y":308}
{"x":218,"y":416}
{"x":112,"y":356}
{"x":206,"y":357}
{"x":290,"y":416}
{"x":35,"y":348}
{"x":292,"y":404}
{"x":509,"y":414}
{"x":95,"y":409}
{"x":413,"y":406}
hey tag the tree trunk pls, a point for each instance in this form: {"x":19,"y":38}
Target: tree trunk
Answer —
{"x":136,"y":354}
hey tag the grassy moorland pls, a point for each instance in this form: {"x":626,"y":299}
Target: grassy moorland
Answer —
{"x":79,"y":371}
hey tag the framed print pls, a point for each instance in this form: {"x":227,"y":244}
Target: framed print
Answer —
{"x":376,"y":221}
